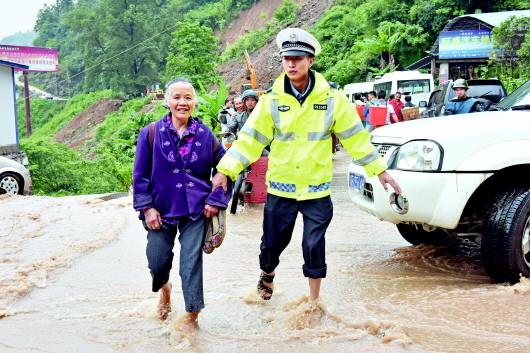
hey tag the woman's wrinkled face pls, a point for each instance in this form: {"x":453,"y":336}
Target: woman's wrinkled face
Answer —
{"x":181,"y":100}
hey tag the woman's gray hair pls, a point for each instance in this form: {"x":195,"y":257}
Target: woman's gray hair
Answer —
{"x":172,"y":83}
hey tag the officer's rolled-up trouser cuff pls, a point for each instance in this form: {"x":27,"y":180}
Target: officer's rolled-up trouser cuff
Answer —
{"x":319,"y":272}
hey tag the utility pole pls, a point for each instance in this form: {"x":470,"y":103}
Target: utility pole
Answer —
{"x":26,"y":98}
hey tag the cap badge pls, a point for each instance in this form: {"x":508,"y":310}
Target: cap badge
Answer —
{"x":293,"y":38}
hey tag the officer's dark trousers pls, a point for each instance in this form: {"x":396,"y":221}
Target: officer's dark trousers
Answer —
{"x":278,"y":224}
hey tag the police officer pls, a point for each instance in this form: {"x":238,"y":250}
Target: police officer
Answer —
{"x":297,"y":119}
{"x":461,"y":103}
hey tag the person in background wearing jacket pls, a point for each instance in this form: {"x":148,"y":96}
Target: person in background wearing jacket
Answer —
{"x":397,"y":104}
{"x":172,"y":191}
{"x":461,"y":104}
{"x":408,"y":102}
{"x":371,"y":102}
{"x":297,"y":118}
{"x":250,"y":99}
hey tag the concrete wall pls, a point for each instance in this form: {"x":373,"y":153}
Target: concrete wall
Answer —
{"x":8,"y":118}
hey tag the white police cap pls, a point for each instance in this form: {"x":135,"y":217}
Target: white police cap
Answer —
{"x":297,"y":42}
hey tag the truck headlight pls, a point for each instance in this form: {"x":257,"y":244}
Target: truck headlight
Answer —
{"x":420,"y":155}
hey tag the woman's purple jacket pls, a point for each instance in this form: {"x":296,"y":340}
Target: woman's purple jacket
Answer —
{"x":174,"y":174}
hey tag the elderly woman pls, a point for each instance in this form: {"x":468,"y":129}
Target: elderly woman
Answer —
{"x":175,"y":157}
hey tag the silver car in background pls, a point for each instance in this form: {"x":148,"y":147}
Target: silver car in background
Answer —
{"x":14,"y":178}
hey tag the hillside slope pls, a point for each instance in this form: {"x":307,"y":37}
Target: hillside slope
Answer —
{"x":82,"y":127}
{"x":253,"y":18}
{"x":266,"y":60}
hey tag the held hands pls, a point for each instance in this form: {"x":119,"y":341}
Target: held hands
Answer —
{"x":219,"y":180}
{"x":385,"y":179}
{"x":152,"y":218}
{"x":210,"y":211}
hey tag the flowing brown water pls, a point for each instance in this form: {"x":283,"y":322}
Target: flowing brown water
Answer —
{"x":381,"y":295}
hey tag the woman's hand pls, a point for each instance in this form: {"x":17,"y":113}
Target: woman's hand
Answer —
{"x":211,"y":211}
{"x":219,"y":180}
{"x":153,"y":219}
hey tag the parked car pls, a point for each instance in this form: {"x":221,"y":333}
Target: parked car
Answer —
{"x":488,"y":92}
{"x":467,"y":176}
{"x":14,"y":177}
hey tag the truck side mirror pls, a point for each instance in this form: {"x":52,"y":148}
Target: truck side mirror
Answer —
{"x":422,"y":104}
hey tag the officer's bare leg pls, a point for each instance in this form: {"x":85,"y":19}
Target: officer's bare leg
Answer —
{"x":314,"y":288}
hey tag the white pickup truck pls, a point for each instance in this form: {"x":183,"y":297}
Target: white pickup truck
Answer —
{"x":461,"y":176}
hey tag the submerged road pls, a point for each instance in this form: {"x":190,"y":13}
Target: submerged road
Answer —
{"x":381,"y":295}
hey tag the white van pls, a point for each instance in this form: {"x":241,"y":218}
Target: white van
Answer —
{"x":361,"y":87}
{"x":413,"y":83}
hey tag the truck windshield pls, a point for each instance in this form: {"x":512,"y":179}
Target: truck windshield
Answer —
{"x":493,"y":93}
{"x":519,"y":97}
{"x":414,"y":86}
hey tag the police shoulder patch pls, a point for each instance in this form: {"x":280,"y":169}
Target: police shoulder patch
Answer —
{"x":284,"y":108}
{"x":320,"y":106}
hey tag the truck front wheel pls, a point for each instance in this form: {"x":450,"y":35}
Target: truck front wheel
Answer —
{"x":415,"y":234}
{"x":505,"y":245}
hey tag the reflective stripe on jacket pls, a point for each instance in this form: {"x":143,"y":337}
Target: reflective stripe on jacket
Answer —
{"x":300,"y":159}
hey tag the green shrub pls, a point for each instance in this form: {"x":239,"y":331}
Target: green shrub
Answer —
{"x":57,"y":170}
{"x":74,"y":106}
{"x":42,"y":111}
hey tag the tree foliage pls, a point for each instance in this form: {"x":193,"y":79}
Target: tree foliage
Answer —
{"x":361,"y":37}
{"x":193,"y":54}
{"x":511,"y":60}
{"x":510,"y":35}
{"x":121,"y":45}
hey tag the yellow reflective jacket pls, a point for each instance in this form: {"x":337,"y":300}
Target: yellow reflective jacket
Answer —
{"x":300,"y":159}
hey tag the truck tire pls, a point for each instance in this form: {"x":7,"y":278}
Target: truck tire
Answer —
{"x":505,"y":245}
{"x":10,"y":183}
{"x":417,"y":235}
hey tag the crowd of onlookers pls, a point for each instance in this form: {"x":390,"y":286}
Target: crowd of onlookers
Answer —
{"x":388,"y":112}
{"x":236,"y":111}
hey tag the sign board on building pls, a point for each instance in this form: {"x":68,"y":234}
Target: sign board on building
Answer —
{"x":38,"y":59}
{"x":465,"y":44}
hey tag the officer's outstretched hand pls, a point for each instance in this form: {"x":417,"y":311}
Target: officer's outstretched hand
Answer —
{"x":219,"y":180}
{"x":385,"y":179}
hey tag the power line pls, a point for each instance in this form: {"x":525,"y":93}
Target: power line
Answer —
{"x":114,"y":56}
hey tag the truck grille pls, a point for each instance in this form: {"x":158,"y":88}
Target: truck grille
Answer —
{"x":383,"y":149}
{"x":368,"y":191}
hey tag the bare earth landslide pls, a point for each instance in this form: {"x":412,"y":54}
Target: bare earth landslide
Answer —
{"x":266,"y":60}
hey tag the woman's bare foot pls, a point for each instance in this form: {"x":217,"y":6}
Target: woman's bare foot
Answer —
{"x":187,"y":323}
{"x":164,"y":305}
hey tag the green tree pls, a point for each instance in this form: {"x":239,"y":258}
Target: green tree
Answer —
{"x":193,"y":54}
{"x":509,"y":37}
{"x":116,"y":39}
{"x":524,"y":56}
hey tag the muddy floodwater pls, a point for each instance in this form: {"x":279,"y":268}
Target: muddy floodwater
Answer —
{"x":73,"y":278}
